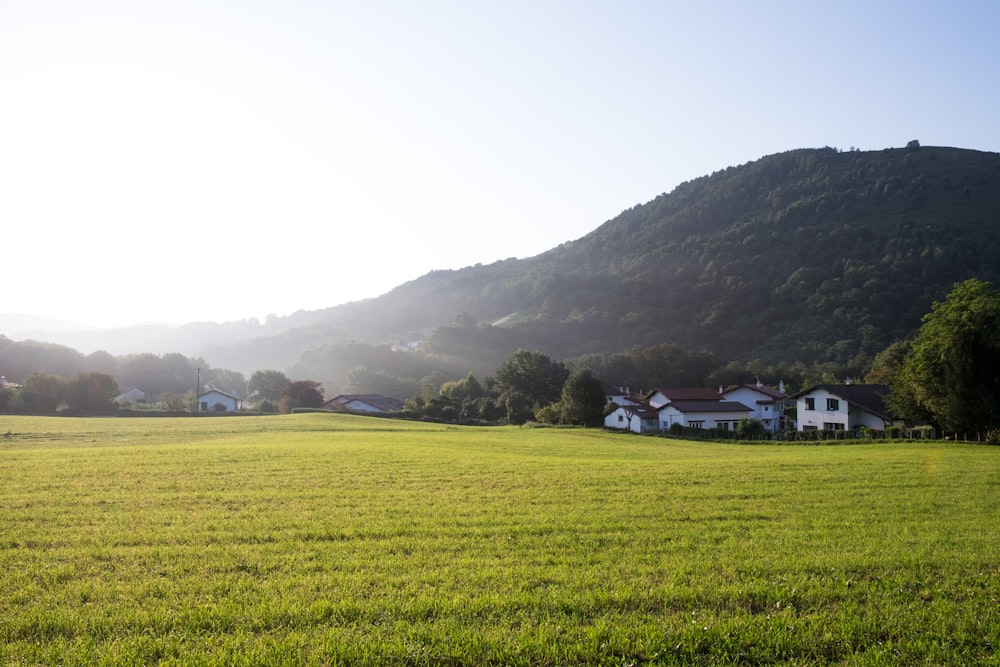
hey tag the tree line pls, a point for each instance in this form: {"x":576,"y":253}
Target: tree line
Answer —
{"x":810,"y":257}
{"x":946,"y":375}
{"x":527,"y":386}
{"x":44,"y":378}
{"x":96,"y":393}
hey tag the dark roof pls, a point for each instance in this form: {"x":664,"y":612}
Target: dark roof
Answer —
{"x":867,"y":396}
{"x":641,"y":410}
{"x":767,"y":391}
{"x":708,"y":406}
{"x":214,"y":391}
{"x":384,"y":403}
{"x":687,"y":393}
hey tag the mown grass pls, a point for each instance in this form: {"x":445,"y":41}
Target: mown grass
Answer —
{"x":322,"y":539}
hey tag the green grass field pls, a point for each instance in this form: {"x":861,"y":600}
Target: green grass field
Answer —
{"x":323,"y":539}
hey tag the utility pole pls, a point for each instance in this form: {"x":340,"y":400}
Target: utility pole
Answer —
{"x":197,"y":393}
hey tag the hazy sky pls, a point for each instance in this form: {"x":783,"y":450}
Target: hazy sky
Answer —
{"x":216,"y":160}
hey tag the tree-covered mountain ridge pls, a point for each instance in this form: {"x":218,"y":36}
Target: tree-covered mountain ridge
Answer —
{"x":807,"y":257}
{"x":812,"y":255}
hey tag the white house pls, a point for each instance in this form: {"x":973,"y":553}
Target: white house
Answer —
{"x":703,"y":414}
{"x":214,"y":400}
{"x":364,"y":403}
{"x":695,"y":407}
{"x":839,"y":407}
{"x":638,"y":418}
{"x":768,"y":404}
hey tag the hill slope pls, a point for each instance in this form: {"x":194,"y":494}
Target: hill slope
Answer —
{"x":810,"y":256}
{"x":813,"y":255}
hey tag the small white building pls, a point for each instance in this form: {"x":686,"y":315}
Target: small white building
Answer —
{"x":638,"y":418}
{"x":840,"y":407}
{"x":214,"y":400}
{"x":620,"y":396}
{"x":703,"y":414}
{"x":5,"y":383}
{"x":768,"y":404}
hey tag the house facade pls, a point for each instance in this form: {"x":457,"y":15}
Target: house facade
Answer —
{"x":842,"y":407}
{"x":690,"y":407}
{"x":768,"y":405}
{"x":703,"y":414}
{"x":214,"y":400}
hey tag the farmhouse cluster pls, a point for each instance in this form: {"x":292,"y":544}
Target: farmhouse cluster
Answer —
{"x":831,"y":407}
{"x":827,"y":407}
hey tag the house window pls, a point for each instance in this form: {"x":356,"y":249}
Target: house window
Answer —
{"x":809,"y":427}
{"x":833,"y":426}
{"x":698,"y":424}
{"x":810,"y":404}
{"x":724,"y":426}
{"x":621,"y":418}
{"x":832,"y":404}
{"x":204,"y":406}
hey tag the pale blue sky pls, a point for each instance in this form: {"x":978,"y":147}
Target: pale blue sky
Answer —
{"x":180,"y":160}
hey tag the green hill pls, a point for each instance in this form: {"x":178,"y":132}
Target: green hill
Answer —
{"x":812,"y":255}
{"x":808,"y":258}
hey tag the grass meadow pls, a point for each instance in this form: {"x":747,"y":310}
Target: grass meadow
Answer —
{"x":328,"y":539}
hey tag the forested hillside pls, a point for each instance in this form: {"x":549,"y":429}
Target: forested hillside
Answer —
{"x":812,"y":255}
{"x":809,"y":258}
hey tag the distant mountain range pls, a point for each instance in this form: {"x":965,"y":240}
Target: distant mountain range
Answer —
{"x":20,"y":325}
{"x":812,"y":255}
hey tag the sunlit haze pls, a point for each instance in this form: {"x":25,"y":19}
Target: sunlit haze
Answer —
{"x":180,"y":161}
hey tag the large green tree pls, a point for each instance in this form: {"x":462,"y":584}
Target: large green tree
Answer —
{"x":583,"y":399}
{"x":156,"y":374}
{"x":92,"y":392}
{"x":953,"y":369}
{"x":468,"y":388}
{"x":225,"y":380}
{"x":527,"y":381}
{"x":43,"y":392}
{"x":301,"y":394}
{"x":268,"y":384}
